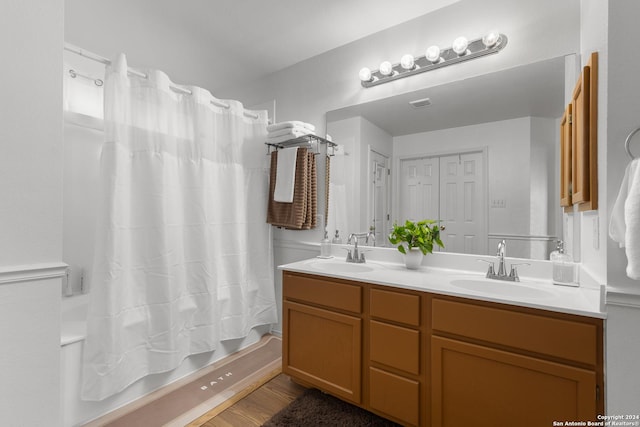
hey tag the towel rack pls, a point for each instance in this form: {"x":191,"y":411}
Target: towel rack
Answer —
{"x":627,"y":142}
{"x":301,"y":141}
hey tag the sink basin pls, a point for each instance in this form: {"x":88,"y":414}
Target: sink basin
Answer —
{"x":340,"y":267}
{"x":505,"y":289}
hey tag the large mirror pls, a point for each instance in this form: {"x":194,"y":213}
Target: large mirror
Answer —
{"x":480,"y":155}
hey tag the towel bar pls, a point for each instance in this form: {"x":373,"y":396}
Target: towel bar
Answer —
{"x":627,"y":142}
{"x":302,"y":141}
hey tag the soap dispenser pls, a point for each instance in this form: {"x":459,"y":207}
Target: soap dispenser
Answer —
{"x":325,"y":246}
{"x":337,"y":240}
{"x":563,"y":267}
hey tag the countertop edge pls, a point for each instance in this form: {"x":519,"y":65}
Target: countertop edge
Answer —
{"x":298,"y":267}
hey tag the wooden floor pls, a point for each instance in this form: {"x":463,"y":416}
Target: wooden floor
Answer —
{"x":260,"y":405}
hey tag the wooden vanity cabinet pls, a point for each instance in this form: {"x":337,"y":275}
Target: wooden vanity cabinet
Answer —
{"x":396,"y":375}
{"x":322,"y":334}
{"x":421,"y":359}
{"x":510,"y":365}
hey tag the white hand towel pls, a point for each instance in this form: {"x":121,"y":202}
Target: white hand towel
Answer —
{"x":297,"y":131}
{"x":290,"y":124}
{"x":624,"y":227}
{"x":285,"y":175}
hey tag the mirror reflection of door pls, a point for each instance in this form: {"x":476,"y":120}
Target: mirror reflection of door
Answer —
{"x":451,"y":189}
{"x":378,"y":215}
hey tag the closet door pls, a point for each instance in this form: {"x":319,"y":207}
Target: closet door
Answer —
{"x":419,"y":189}
{"x":463,"y":203}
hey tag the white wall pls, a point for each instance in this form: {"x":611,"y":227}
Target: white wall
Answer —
{"x":621,"y":104}
{"x":358,"y":135}
{"x":30,"y":211}
{"x":537,"y":30}
{"x":593,"y":229}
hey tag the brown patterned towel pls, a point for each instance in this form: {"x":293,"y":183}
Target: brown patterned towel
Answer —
{"x":301,"y":213}
{"x":312,"y":194}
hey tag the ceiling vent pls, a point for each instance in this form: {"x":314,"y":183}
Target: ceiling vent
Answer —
{"x":418,"y":103}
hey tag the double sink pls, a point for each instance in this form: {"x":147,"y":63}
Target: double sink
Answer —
{"x":464,"y":282}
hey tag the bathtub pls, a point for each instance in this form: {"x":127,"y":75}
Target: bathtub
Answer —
{"x":76,"y":412}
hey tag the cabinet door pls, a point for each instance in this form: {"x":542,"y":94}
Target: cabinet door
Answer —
{"x":584,"y":134}
{"x":323,"y":348}
{"x":580,"y":139}
{"x":476,"y":385}
{"x":565,"y":158}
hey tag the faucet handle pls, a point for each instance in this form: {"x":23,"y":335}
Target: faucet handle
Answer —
{"x":490,"y":270}
{"x":349,"y":256}
{"x":362,"y":259}
{"x":514,"y":272}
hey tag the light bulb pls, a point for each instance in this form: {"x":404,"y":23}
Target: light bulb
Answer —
{"x":365,"y":74}
{"x":460,"y":46}
{"x":386,"y":69}
{"x":407,"y":62}
{"x":433,"y":53}
{"x":491,"y":38}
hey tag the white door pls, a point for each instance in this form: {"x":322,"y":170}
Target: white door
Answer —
{"x":379,"y":202}
{"x":419,"y":189}
{"x":463,"y":203}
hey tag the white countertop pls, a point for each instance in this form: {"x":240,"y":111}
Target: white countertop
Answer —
{"x":537,"y":294}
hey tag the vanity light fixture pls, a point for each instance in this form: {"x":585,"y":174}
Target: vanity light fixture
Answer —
{"x":434,"y":57}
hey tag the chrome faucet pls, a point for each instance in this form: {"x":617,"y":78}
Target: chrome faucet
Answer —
{"x":502,"y":249}
{"x":357,"y":257}
{"x":501,"y":274}
{"x":371,"y":234}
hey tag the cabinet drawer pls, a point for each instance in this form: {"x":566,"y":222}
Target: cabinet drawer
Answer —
{"x":395,"y":306}
{"x":395,"y":346}
{"x":322,"y":292}
{"x":562,"y":338}
{"x":395,"y":396}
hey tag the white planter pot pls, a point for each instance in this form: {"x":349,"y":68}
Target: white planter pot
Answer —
{"x":413,"y":258}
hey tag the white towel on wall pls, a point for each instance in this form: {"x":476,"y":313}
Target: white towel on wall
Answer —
{"x":290,"y":124}
{"x":285,"y":175}
{"x":624,"y":227}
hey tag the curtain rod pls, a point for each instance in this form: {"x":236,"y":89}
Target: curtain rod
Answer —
{"x":95,"y":57}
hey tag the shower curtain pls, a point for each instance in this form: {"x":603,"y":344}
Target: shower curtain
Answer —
{"x":183,"y":257}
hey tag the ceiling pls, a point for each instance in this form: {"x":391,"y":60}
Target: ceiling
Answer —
{"x":532,"y":90}
{"x":244,"y":39}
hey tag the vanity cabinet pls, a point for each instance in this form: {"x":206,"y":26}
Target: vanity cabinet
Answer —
{"x":422,"y":359}
{"x":396,"y":381}
{"x":510,"y":365}
{"x":322,"y":334}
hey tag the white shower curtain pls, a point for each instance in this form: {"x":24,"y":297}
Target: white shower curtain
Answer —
{"x":183,"y":255}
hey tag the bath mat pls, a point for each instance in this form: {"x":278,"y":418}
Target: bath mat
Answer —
{"x":201,"y":394}
{"x":314,"y":408}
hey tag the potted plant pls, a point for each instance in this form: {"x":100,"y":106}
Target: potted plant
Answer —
{"x":416,"y":239}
